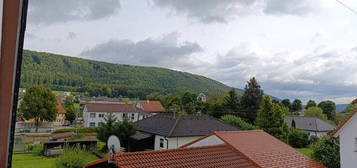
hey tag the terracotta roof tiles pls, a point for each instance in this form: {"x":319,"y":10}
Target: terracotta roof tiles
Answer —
{"x":218,"y":156}
{"x":152,"y":106}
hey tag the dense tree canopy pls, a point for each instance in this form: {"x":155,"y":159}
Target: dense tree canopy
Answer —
{"x":286,"y":103}
{"x":329,"y":108}
{"x":38,"y":103}
{"x":327,"y":151}
{"x":296,"y":106}
{"x":310,"y":103}
{"x":231,"y":102}
{"x":250,"y":100}
{"x":106,"y":79}
{"x":271,"y":116}
{"x":315,"y":112}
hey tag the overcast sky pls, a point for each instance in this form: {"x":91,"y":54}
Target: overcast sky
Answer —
{"x":304,"y":49}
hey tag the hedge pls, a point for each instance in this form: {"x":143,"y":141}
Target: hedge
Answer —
{"x":80,"y":130}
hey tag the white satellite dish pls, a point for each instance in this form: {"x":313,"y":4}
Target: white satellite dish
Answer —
{"x":113,"y":144}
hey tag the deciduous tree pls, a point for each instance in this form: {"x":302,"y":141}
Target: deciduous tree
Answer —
{"x":296,"y":106}
{"x":39,"y":103}
{"x":310,"y":103}
{"x":329,"y":108}
{"x":271,"y":116}
{"x":315,"y":112}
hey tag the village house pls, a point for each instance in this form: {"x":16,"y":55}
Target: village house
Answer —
{"x":346,"y":131}
{"x":312,"y":125}
{"x":93,"y":113}
{"x":231,"y":149}
{"x":61,"y":114}
{"x":169,"y":131}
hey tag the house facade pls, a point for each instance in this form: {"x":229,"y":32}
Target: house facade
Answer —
{"x":93,"y":113}
{"x":61,"y":114}
{"x":346,"y":131}
{"x":170,"y":131}
{"x":312,"y":125}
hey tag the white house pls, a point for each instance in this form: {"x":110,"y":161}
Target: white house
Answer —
{"x":170,"y":131}
{"x":347,"y":131}
{"x":93,"y":113}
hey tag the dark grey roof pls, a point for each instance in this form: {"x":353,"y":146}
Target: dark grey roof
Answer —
{"x":141,"y":135}
{"x":309,"y":123}
{"x":166,"y":124}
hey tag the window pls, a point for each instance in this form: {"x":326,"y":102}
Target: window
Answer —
{"x":92,"y":124}
{"x":100,"y":123}
{"x":132,"y":116}
{"x":100,"y":115}
{"x":92,"y":115}
{"x":161,"y":142}
{"x":125,"y":115}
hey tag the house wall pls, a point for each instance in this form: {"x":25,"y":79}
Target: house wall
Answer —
{"x":348,"y":145}
{"x":318,"y":134}
{"x":211,"y":140}
{"x":87,"y":118}
{"x":172,"y":142}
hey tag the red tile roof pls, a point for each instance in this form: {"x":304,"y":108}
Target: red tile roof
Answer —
{"x":242,"y":149}
{"x":110,"y":107}
{"x":152,"y":106}
{"x":60,"y":108}
{"x":218,"y":156}
{"x":265,"y":150}
{"x":343,"y":122}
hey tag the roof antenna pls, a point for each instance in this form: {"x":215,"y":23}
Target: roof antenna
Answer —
{"x":174,"y":110}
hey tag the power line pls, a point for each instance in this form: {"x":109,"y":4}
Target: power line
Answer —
{"x":347,"y":7}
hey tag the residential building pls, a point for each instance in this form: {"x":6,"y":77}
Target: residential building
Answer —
{"x":346,"y":131}
{"x":202,"y":97}
{"x":312,"y":125}
{"x":150,"y":106}
{"x":93,"y":113}
{"x":169,"y":131}
{"x":232,"y":149}
{"x":61,"y":114}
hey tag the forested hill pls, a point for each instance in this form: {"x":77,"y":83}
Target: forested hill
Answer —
{"x":100,"y":78}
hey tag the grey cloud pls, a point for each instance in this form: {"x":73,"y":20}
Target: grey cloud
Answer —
{"x":222,"y":11}
{"x":71,"y":35}
{"x":53,"y":11}
{"x":208,"y":11}
{"x":292,"y":7}
{"x":159,"y":52}
{"x":321,"y":76}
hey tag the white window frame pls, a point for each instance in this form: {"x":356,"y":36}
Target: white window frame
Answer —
{"x":162,"y":143}
{"x":92,"y":115}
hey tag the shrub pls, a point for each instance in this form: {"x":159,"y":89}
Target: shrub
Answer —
{"x":298,"y":138}
{"x":80,"y":130}
{"x":72,"y":158}
{"x":313,"y":139}
{"x":238,"y":122}
{"x":327,"y":151}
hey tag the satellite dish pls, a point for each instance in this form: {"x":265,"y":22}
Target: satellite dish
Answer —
{"x":113,"y":144}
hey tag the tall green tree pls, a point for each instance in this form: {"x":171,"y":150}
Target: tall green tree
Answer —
{"x":315,"y":112}
{"x":71,"y":113}
{"x":189,"y":102}
{"x":231,"y":102}
{"x":349,"y":108}
{"x":38,"y":103}
{"x":296,"y":106}
{"x":329,"y":108}
{"x":271,"y":116}
{"x":250,"y":100}
{"x":122,"y":129}
{"x":286,"y":103}
{"x":310,"y":103}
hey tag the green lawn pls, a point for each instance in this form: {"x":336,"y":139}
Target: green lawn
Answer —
{"x":34,"y":161}
{"x":306,"y":151}
{"x":31,"y":161}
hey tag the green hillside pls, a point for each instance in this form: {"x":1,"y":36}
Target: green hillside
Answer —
{"x":106,"y":79}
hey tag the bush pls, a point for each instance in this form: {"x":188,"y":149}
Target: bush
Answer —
{"x":313,"y":139}
{"x":298,"y":138}
{"x":238,"y":122}
{"x":80,"y":130}
{"x":327,"y":151}
{"x":72,"y":158}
